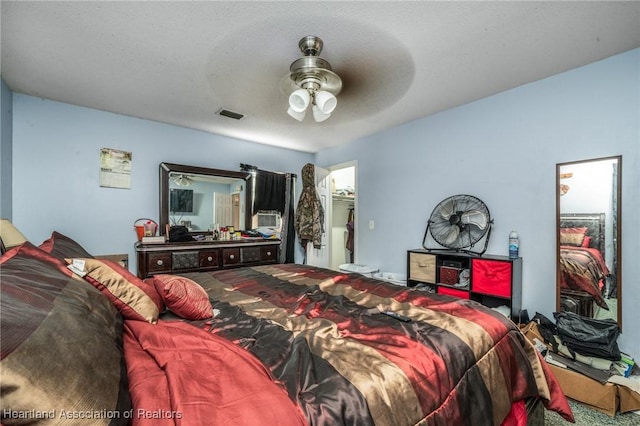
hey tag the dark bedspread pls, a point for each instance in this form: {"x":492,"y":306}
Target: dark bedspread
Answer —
{"x":325,"y":344}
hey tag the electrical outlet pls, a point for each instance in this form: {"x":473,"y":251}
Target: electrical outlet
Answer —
{"x":372,"y":224}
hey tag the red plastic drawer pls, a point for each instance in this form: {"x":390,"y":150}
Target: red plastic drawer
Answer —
{"x":491,"y":277}
{"x":453,"y":292}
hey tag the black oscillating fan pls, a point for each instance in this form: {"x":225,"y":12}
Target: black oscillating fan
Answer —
{"x":458,"y":223}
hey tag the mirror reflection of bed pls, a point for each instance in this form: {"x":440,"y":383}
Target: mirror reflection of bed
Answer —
{"x":589,"y":238}
{"x":585,"y":279}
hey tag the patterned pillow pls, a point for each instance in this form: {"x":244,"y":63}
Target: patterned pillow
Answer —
{"x":572,"y":236}
{"x":61,"y":343}
{"x":61,"y":246}
{"x":134,"y":298}
{"x":184,"y":297}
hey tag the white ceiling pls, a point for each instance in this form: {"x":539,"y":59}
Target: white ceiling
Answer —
{"x":180,"y":62}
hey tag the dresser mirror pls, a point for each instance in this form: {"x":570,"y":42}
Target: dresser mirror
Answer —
{"x":588,"y":238}
{"x":200,"y":198}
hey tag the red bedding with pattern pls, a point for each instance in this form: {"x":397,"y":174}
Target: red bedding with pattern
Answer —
{"x":584,"y":269}
{"x":294,"y":344}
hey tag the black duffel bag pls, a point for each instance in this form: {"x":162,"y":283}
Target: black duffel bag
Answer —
{"x":588,"y":336}
{"x":179,"y":234}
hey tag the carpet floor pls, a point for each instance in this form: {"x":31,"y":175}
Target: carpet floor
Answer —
{"x":585,"y":416}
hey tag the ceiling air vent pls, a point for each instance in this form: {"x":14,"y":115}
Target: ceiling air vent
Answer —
{"x":226,"y":113}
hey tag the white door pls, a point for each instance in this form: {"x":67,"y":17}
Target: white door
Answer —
{"x":320,"y":257}
{"x":222,"y":209}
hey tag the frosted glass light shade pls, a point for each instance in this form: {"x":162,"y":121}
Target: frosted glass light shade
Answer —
{"x":326,"y":102}
{"x":299,"y":100}
{"x":318,"y":115}
{"x":295,"y":114}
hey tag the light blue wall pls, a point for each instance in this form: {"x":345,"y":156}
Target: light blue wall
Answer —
{"x":56,"y":170}
{"x":503,"y":149}
{"x":6,"y":129}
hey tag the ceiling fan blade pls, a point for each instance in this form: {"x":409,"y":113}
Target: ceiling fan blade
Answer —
{"x":474,"y":217}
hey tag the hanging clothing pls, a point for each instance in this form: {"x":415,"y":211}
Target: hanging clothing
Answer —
{"x":309,"y":217}
{"x":350,"y":234}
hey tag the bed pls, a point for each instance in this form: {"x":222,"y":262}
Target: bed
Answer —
{"x":583,"y":270}
{"x":281,"y":344}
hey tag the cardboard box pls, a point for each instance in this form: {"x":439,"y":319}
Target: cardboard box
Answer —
{"x":629,"y":400}
{"x":592,"y":393}
{"x":608,"y":398}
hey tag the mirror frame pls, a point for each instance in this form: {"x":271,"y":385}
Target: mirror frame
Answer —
{"x":617,"y":232}
{"x":167,"y":168}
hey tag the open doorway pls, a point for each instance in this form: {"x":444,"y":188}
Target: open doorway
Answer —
{"x":341,"y":217}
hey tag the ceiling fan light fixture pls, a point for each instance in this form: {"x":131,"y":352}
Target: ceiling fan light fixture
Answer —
{"x":318,"y":115}
{"x":316,"y":84}
{"x":182,"y":180}
{"x":325,"y":101}
{"x":298,"y":115}
{"x":299,"y":100}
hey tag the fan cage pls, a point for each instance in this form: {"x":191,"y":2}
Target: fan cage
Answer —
{"x":458,"y":223}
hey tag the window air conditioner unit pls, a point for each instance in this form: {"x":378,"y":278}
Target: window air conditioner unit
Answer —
{"x":268,"y":220}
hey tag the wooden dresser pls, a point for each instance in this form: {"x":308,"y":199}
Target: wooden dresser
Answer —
{"x":174,"y":258}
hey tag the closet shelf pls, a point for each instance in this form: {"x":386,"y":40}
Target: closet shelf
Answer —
{"x":349,"y":198}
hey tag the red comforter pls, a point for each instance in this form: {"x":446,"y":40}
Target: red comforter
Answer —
{"x":299,"y":345}
{"x":583,"y":269}
{"x":181,"y":375}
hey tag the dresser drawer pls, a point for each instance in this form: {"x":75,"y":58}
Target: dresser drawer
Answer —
{"x":182,"y":260}
{"x":268,"y":253}
{"x":422,"y":267}
{"x":230,"y":256}
{"x":491,"y":277}
{"x":250,"y":254}
{"x":159,"y":262}
{"x":209,"y":258}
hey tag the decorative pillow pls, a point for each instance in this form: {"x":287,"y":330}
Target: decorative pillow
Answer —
{"x":184,"y":297}
{"x":134,"y":298}
{"x":571,"y":239}
{"x":62,"y":247}
{"x":578,"y":230}
{"x":61,"y":343}
{"x":572,"y":236}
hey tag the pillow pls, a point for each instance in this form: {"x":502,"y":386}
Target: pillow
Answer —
{"x":61,"y":342}
{"x":579,"y":230}
{"x":587,"y":241}
{"x":134,"y":298}
{"x":572,"y":236}
{"x":571,"y":239}
{"x":10,"y":236}
{"x":184,"y":297}
{"x":62,"y":247}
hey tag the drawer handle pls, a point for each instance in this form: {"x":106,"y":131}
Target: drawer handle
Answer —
{"x":159,"y":262}
{"x":209,"y":259}
{"x":231,"y":256}
{"x":424,"y":264}
{"x":268,"y":253}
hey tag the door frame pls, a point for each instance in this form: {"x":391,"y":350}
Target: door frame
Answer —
{"x":354,"y":164}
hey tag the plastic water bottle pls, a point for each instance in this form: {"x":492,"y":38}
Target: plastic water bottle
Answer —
{"x":514,"y":245}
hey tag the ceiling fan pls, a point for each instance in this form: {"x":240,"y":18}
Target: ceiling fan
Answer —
{"x":314,"y":83}
{"x":183,"y":180}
